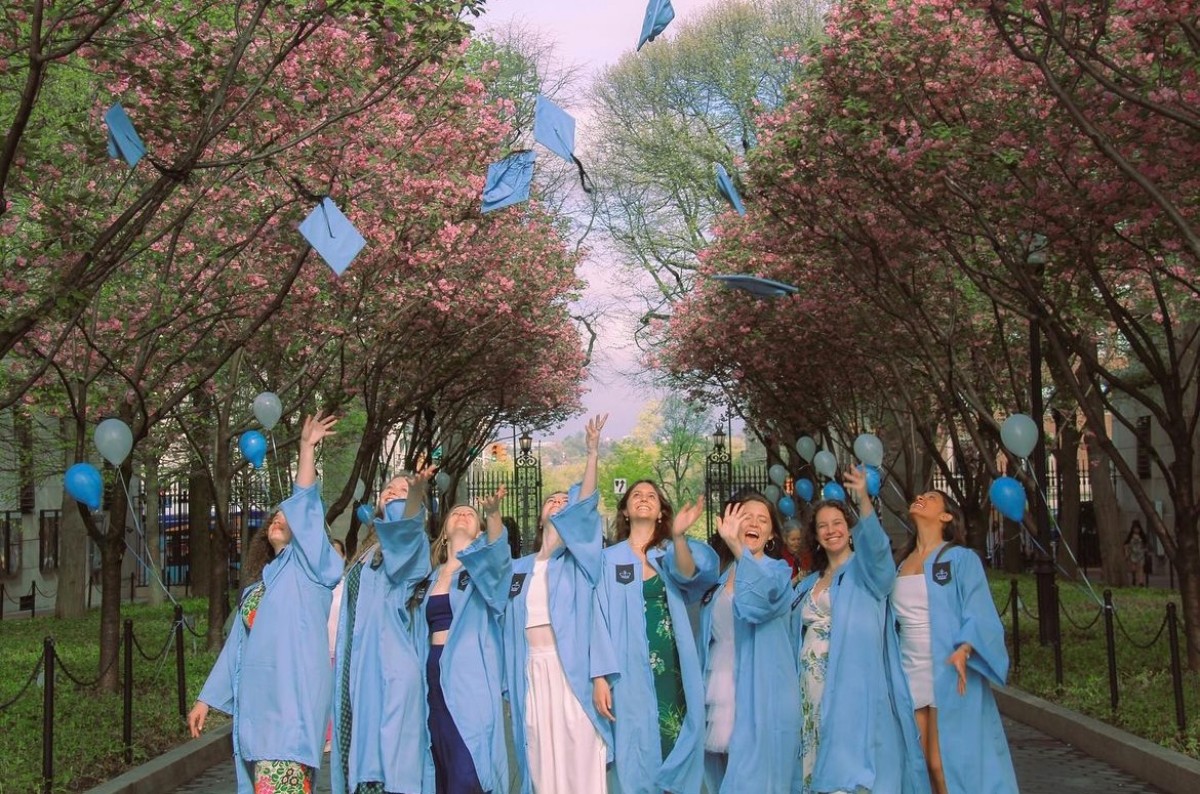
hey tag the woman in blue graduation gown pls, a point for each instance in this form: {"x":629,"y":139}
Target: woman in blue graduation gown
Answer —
{"x":380,"y":736}
{"x":752,"y":687}
{"x":456,"y":628}
{"x":952,"y":651}
{"x":558,"y":736}
{"x":273,"y":674}
{"x":857,"y":729}
{"x":656,"y":697}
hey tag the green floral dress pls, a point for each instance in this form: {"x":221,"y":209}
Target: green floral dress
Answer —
{"x":817,"y":614}
{"x":664,"y":662}
{"x":274,"y":777}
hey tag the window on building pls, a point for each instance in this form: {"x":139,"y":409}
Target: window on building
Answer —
{"x":48,"y":525}
{"x":1143,"y":447}
{"x":10,"y":543}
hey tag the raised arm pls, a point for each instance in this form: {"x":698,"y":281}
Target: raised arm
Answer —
{"x":315,"y":429}
{"x":684,"y":561}
{"x":592,"y":435}
{"x":873,"y":550}
{"x":491,"y":514}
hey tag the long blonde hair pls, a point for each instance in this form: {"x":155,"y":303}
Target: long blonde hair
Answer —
{"x":439,"y":551}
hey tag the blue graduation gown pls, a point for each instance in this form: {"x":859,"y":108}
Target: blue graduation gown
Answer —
{"x":766,"y":718}
{"x":868,"y":731}
{"x":641,"y":769}
{"x":572,"y":572}
{"x":388,"y":731}
{"x":975,"y":754}
{"x":275,"y":679}
{"x":472,"y":661}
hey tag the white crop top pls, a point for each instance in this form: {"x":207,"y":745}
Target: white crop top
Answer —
{"x":537,"y":603}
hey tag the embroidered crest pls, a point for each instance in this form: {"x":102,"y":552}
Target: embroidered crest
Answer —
{"x":420,"y":590}
{"x":708,"y":595}
{"x":463,"y":578}
{"x":377,"y":559}
{"x":941,"y":573}
{"x":625,"y":573}
{"x":518,"y":582}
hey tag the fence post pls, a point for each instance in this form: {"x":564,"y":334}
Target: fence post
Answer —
{"x":180,"y":678}
{"x":132,"y":584}
{"x":2,"y":596}
{"x":1016,"y":626}
{"x":1176,"y":668}
{"x":32,"y":599}
{"x":1110,"y":642}
{"x":127,"y":691}
{"x":47,"y":715}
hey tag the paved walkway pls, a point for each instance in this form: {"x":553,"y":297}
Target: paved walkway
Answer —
{"x":1044,"y":766}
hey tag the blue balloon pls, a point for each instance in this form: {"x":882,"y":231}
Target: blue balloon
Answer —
{"x":1008,"y":496}
{"x":787,"y":506}
{"x":805,"y":489}
{"x":84,"y":484}
{"x":365,"y":513}
{"x":833,"y":491}
{"x":874,"y":480}
{"x":254,"y":446}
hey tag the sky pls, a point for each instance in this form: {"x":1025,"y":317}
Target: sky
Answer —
{"x":591,"y":36}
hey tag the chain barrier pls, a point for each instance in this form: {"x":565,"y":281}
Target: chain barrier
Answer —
{"x":11,"y":600}
{"x":83,"y":684}
{"x":37,"y":668}
{"x":1025,"y":609}
{"x":192,"y":631}
{"x":1158,"y":635}
{"x":1095,"y":618}
{"x":43,"y":593}
{"x":158,"y":656}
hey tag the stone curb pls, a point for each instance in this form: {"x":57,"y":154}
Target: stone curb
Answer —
{"x":173,"y":768}
{"x":1166,"y":769}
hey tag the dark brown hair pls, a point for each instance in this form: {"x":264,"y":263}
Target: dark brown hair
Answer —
{"x":953,"y":531}
{"x":662,"y":528}
{"x":259,"y":552}
{"x":819,"y":556}
{"x":774,"y":545}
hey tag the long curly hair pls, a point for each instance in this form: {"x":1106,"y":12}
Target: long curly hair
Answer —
{"x":819,"y":556}
{"x":662,"y":527}
{"x":259,"y":552}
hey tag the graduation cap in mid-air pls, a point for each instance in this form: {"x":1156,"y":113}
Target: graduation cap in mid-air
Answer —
{"x":659,"y":14}
{"x":758,"y":287}
{"x":508,"y":181}
{"x":728,"y":190}
{"x":554,"y":128}
{"x":333,"y":235}
{"x":123,"y":140}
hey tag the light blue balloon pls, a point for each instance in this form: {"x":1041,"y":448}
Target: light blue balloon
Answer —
{"x":1008,"y":496}
{"x":364,"y":513}
{"x":114,"y":440}
{"x":84,"y":484}
{"x":825,"y":463}
{"x":833,"y":491}
{"x":254,"y":446}
{"x":787,"y":506}
{"x":807,"y":448}
{"x":805,"y":489}
{"x":1019,"y":434}
{"x":778,"y":474}
{"x":267,"y":409}
{"x":869,"y":449}
{"x":772,"y":493}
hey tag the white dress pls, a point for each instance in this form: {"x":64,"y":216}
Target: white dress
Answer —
{"x":719,"y":689}
{"x":910,"y":600}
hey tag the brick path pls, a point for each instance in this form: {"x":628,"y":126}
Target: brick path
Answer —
{"x":1044,"y":766}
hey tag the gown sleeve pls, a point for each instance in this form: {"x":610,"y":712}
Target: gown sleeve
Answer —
{"x":873,"y":550}
{"x":490,"y":567}
{"x":305,"y":515}
{"x":981,"y":626}
{"x":695,"y":586}
{"x":762,"y":590}
{"x":405,"y":548}
{"x":578,"y":525}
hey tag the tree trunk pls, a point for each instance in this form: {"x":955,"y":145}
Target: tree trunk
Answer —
{"x":74,"y":568}
{"x":218,"y":569}
{"x":1108,"y":515}
{"x":1187,"y":566}
{"x":154,"y":591}
{"x":1013,"y":560}
{"x":199,"y":535}
{"x":1066,"y":454}
{"x":111,"y":557}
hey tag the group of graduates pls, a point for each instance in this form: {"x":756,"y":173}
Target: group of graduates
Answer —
{"x":655,"y":664}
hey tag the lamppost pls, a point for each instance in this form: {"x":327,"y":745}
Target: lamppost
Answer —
{"x":527,"y":480}
{"x":1043,"y":569}
{"x":718,"y":472}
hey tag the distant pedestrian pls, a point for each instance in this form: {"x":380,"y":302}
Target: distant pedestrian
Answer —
{"x":1137,"y":553}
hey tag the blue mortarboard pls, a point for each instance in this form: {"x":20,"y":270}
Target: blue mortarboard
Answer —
{"x":333,"y":235}
{"x":725,"y":185}
{"x":508,"y":181}
{"x":554,"y":128}
{"x":659,"y":14}
{"x":123,"y":140}
{"x":758,"y":287}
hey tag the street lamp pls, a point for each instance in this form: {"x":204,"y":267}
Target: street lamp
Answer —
{"x":718,"y":440}
{"x":526,"y":442}
{"x":718,"y":473}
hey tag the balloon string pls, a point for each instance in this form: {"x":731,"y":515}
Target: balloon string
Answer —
{"x":148,"y":562}
{"x":275,"y":468}
{"x":1050,"y":514}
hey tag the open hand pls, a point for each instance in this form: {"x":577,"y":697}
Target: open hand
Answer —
{"x":491,"y":504}
{"x":196,"y":718}
{"x":729,"y":528}
{"x":958,"y":660}
{"x":602,"y":698}
{"x":687,"y":516}
{"x":316,"y":428}
{"x":592,"y":432}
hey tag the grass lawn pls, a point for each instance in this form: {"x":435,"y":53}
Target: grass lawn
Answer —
{"x":87,"y":722}
{"x":1146,"y":700}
